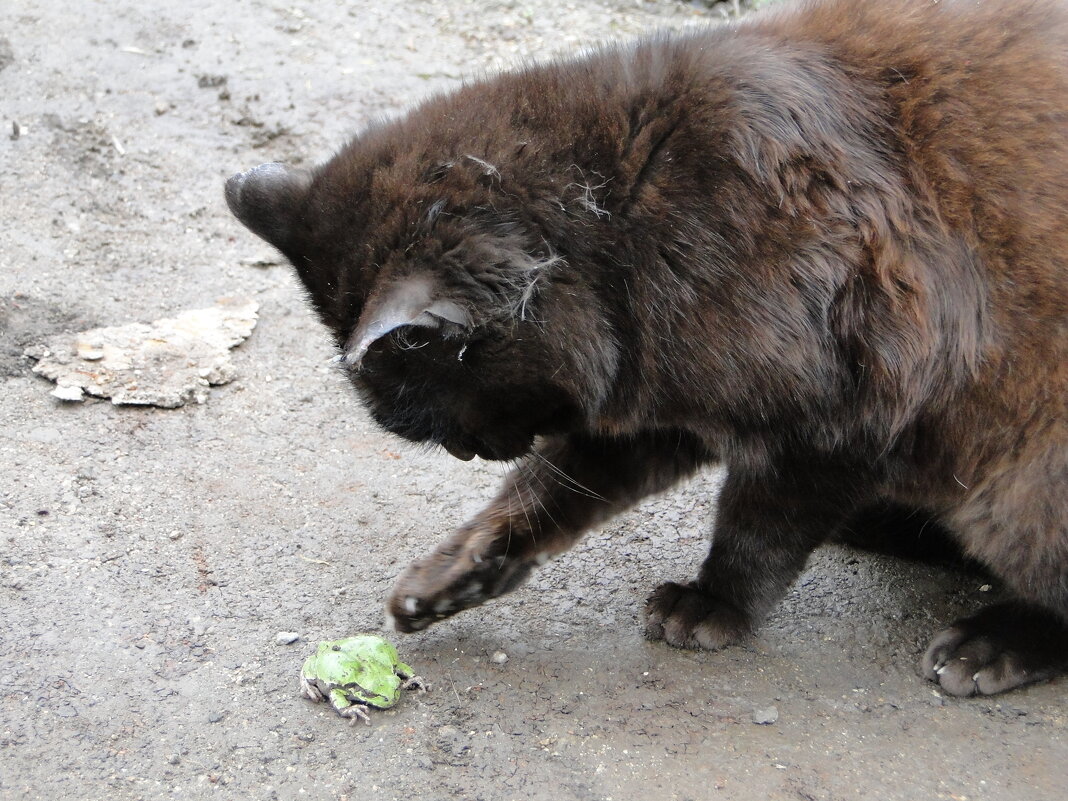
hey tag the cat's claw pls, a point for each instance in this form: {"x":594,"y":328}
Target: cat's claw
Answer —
{"x":687,"y":617}
{"x":1002,"y":647}
{"x":976,"y":665}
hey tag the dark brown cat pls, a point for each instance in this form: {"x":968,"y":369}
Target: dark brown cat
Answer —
{"x":827,"y":246}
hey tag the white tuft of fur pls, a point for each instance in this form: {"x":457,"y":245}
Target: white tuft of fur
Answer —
{"x":488,"y":169}
{"x":528,"y":274}
{"x":587,"y":197}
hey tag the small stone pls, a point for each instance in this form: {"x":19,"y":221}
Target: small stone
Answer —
{"x":985,"y":588}
{"x":211,"y":81}
{"x":68,"y":393}
{"x":264,"y":258}
{"x":216,"y":716}
{"x":90,"y":351}
{"x":7,"y":53}
{"x":286,"y":637}
{"x":174,"y":759}
{"x":765,"y":717}
{"x":499,"y":657}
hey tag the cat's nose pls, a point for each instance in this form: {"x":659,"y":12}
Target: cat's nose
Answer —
{"x":459,"y":451}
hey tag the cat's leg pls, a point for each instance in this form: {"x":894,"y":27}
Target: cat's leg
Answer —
{"x":568,"y":485}
{"x":1018,"y":528}
{"x":765,"y":529}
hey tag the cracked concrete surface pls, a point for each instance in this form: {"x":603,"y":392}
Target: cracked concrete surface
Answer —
{"x":149,"y":557}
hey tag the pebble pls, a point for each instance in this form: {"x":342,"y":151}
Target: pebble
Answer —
{"x":765,"y":717}
{"x":499,"y":657}
{"x":286,"y":638}
{"x":66,"y":393}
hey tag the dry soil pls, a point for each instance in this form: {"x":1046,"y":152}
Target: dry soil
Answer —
{"x":149,"y":557}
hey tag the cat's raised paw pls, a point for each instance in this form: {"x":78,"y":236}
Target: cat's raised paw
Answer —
{"x":447,"y":582}
{"x":1003,"y":647}
{"x":685,"y":616}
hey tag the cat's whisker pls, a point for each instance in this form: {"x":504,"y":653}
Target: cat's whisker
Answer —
{"x":575,"y":486}
{"x":532,"y":505}
{"x":522,"y":507}
{"x":539,"y":499}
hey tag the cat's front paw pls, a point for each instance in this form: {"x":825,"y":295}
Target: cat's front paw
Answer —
{"x":1003,"y":647}
{"x":462,"y":573}
{"x":686,"y":616}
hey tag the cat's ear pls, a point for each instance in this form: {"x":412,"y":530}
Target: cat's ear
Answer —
{"x":265,"y":199}
{"x":413,"y":300}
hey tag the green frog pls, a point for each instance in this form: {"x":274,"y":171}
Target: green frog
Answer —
{"x":357,"y":674}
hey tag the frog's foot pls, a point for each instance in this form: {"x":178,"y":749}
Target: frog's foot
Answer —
{"x":309,"y":690}
{"x":416,"y":683}
{"x":467,"y":570}
{"x":1002,"y":647}
{"x":354,"y":711}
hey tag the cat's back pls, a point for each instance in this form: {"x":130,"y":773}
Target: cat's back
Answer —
{"x":958,"y":105}
{"x":976,"y":95}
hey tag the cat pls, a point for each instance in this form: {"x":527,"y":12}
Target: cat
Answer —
{"x":826,"y":246}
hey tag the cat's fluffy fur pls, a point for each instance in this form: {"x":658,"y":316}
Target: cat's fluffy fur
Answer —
{"x":826,"y":246}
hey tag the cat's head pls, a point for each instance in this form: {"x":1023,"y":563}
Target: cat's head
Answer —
{"x":458,"y":324}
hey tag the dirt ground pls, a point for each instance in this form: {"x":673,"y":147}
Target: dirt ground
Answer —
{"x":149,"y":557}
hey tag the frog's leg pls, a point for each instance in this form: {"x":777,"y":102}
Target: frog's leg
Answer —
{"x":566,"y":486}
{"x":411,"y":681}
{"x":309,"y":690}
{"x":347,"y":709}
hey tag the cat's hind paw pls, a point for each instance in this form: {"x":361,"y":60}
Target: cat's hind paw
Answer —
{"x":1003,"y":647}
{"x":687,"y":617}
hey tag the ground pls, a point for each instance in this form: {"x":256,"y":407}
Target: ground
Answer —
{"x":149,"y":558}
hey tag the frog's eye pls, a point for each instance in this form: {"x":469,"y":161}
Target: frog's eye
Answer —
{"x":335,"y":647}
